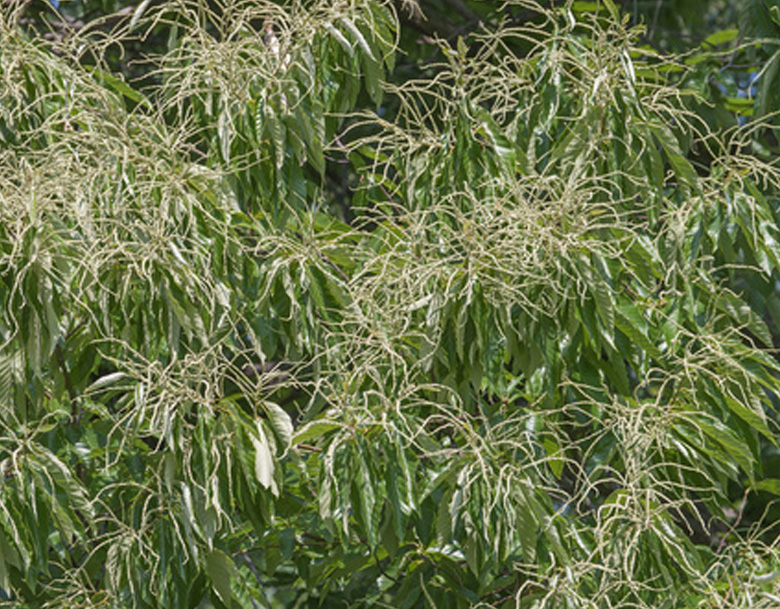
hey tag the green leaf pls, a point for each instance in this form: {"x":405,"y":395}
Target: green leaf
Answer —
{"x":720,"y":37}
{"x":138,"y":13}
{"x":501,"y":144}
{"x":340,"y":38}
{"x":8,"y":363}
{"x":120,"y":86}
{"x":554,"y":460}
{"x":630,"y":322}
{"x":312,"y":138}
{"x":313,"y":430}
{"x":680,"y":165}
{"x":767,"y":98}
{"x":741,"y":105}
{"x":358,"y":35}
{"x":769,"y":243}
{"x":770,"y":485}
{"x":106,"y":381}
{"x":604,"y":307}
{"x":280,"y":422}
{"x":8,"y":557}
{"x":613,"y":10}
{"x":733,"y":445}
{"x":743,"y":315}
{"x":221,"y":571}
{"x":752,"y":414}
{"x":64,"y":479}
{"x":264,"y":460}
{"x":527,"y":525}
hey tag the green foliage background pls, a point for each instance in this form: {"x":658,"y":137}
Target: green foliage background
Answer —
{"x":351,"y":304}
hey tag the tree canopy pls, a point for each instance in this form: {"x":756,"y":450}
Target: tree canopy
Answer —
{"x":399,"y":304}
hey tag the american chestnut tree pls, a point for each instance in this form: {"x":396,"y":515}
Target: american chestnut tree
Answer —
{"x":388,"y":304}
